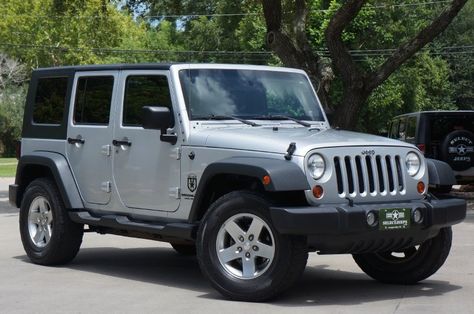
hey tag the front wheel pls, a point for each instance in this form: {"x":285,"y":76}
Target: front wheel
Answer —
{"x":242,"y":254}
{"x":410,"y":265}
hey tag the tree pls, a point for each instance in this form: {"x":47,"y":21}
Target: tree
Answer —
{"x":287,"y":37}
{"x":12,"y":96}
{"x":44,"y":33}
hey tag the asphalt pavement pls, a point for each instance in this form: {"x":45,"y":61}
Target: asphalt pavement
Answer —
{"x":113,"y":274}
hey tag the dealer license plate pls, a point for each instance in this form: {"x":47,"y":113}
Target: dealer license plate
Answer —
{"x":394,"y":218}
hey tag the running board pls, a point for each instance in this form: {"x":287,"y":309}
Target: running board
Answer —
{"x":179,"y":230}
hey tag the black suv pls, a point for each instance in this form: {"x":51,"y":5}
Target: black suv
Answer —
{"x":442,"y":135}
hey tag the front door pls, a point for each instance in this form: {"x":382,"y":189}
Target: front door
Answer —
{"x":89,"y":135}
{"x":146,"y":170}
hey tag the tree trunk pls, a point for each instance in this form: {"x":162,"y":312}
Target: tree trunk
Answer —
{"x":291,"y":44}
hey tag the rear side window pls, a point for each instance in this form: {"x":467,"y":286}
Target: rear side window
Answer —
{"x":411,"y":130}
{"x":394,"y":129}
{"x":50,"y":100}
{"x":144,"y":90}
{"x":93,"y":100}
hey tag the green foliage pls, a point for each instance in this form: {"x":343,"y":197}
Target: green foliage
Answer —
{"x":428,"y":81}
{"x":421,"y":84}
{"x":37,"y":26}
{"x":12,"y":100}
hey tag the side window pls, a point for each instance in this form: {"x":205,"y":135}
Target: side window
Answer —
{"x":411,"y":130}
{"x":93,"y":100}
{"x":394,"y":129}
{"x":144,"y":90}
{"x":402,"y":130}
{"x":50,"y":100}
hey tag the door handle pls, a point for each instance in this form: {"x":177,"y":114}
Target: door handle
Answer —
{"x":71,"y":140}
{"x":121,"y":143}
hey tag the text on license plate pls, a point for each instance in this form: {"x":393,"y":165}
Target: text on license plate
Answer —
{"x":394,"y":218}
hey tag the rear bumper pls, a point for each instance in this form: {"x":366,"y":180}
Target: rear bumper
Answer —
{"x":13,"y":194}
{"x":344,"y":229}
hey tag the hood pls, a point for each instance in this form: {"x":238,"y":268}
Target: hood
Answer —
{"x":266,"y":139}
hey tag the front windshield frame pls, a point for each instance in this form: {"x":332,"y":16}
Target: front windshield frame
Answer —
{"x":294,"y":85}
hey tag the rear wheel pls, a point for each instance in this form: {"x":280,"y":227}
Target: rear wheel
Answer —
{"x":49,"y":237}
{"x":242,"y":254}
{"x":410,"y":265}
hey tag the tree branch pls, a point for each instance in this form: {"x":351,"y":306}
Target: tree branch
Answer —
{"x":340,"y":55}
{"x":272,"y":11}
{"x":407,"y":50}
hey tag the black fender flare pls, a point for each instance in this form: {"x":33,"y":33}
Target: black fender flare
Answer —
{"x":62,"y":175}
{"x":440,"y":173}
{"x":285,"y":176}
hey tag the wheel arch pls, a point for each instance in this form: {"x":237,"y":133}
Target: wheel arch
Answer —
{"x":52,"y":165}
{"x":246,"y":173}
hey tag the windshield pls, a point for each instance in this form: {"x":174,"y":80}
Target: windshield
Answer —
{"x":248,"y":94}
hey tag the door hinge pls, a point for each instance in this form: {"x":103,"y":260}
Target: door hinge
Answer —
{"x":106,"y":186}
{"x":175,"y":192}
{"x":176,"y":153}
{"x":106,"y":150}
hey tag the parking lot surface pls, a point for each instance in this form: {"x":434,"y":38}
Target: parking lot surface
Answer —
{"x":113,"y":274}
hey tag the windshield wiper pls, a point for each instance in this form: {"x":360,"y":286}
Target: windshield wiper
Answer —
{"x":225,"y":117}
{"x":283,"y":117}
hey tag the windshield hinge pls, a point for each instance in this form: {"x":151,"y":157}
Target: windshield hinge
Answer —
{"x":290,"y":151}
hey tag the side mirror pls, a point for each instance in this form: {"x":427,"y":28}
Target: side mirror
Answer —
{"x":159,"y":118}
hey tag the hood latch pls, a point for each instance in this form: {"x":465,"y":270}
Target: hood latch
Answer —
{"x":290,"y":151}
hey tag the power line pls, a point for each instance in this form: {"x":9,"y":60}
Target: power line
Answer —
{"x":450,"y":50}
{"x":162,"y":16}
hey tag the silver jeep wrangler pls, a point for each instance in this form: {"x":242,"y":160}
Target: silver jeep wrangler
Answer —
{"x":235,"y":163}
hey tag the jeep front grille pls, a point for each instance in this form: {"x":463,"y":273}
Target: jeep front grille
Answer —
{"x":369,"y":175}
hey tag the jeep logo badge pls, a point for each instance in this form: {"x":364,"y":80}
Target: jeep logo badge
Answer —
{"x":192,"y":182}
{"x":368,"y":152}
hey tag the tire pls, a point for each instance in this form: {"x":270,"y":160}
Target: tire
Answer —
{"x":417,"y":263}
{"x":278,"y":260}
{"x":49,"y":237}
{"x":457,"y":150}
{"x":184,"y":249}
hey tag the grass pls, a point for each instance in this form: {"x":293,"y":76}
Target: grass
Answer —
{"x":8,"y":167}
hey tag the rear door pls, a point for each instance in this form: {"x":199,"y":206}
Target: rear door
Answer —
{"x":89,"y":135}
{"x":146,"y":170}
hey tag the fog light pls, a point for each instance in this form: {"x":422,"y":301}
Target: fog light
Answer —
{"x":371,"y":219}
{"x":420,"y":187}
{"x":417,"y":216}
{"x":318,"y":191}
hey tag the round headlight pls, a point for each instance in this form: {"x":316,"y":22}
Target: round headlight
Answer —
{"x":412,"y":163}
{"x":316,"y":166}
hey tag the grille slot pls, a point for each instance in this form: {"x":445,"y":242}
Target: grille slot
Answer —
{"x":368,"y":175}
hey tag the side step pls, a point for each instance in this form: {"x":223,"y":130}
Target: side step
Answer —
{"x":178,"y":230}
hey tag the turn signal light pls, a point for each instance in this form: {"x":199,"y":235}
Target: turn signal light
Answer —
{"x":318,"y":191}
{"x":420,"y":187}
{"x":266,"y":180}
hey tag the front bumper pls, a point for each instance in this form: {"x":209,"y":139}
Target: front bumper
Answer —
{"x":344,"y":229}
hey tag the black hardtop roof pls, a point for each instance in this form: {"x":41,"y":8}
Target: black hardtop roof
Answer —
{"x":105,"y":67}
{"x":435,"y":112}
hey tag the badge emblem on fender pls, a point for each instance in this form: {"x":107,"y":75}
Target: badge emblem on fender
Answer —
{"x":192,"y":182}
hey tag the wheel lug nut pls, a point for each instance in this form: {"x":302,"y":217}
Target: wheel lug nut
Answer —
{"x":241,"y":239}
{"x":239,"y":249}
{"x":255,"y":248}
{"x":247,"y":255}
{"x":251,"y":237}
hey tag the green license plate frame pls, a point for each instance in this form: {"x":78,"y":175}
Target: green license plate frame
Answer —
{"x":394,"y":218}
